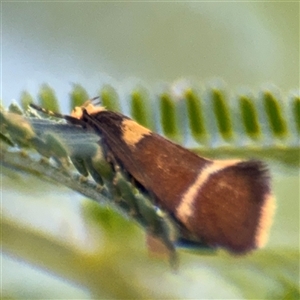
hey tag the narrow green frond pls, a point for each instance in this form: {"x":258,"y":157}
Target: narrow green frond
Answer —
{"x":168,"y":118}
{"x":109,"y":98}
{"x":78,"y":96}
{"x":48,"y":99}
{"x":25,"y":99}
{"x":274,"y":113}
{"x":140,"y":109}
{"x":296,"y":112}
{"x":249,"y":117}
{"x":195,"y":115}
{"x":222,"y":113}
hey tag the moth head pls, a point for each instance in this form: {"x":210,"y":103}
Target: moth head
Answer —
{"x":77,"y":112}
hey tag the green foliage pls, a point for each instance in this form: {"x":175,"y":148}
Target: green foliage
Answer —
{"x":47,"y":98}
{"x":274,"y":114}
{"x":222,"y":113}
{"x":25,"y":99}
{"x":109,"y":98}
{"x":168,"y":116}
{"x":140,"y":111}
{"x":195,"y":115}
{"x":296,"y":112}
{"x":249,"y":117}
{"x":78,"y":96}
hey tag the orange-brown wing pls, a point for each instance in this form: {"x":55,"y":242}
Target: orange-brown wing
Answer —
{"x":224,"y":203}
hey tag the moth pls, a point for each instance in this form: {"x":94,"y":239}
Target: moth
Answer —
{"x":219,"y":203}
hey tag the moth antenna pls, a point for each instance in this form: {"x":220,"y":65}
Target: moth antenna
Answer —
{"x":47,"y":111}
{"x":91,"y":101}
{"x":95,"y":98}
{"x":96,"y":102}
{"x":70,"y":119}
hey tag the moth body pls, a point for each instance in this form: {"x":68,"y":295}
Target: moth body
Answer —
{"x":222,"y":204}
{"x":225,"y":204}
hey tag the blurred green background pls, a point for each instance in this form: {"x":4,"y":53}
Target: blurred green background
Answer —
{"x":65,"y":247}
